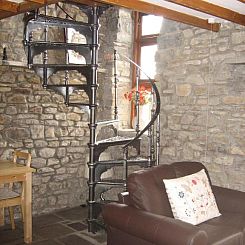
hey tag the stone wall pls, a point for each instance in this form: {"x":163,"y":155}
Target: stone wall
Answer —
{"x":36,"y":120}
{"x":119,"y":22}
{"x":203,"y":99}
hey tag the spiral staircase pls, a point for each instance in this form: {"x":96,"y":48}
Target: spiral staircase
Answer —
{"x":35,"y":22}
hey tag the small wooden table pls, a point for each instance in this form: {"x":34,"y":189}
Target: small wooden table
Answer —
{"x":12,"y":172}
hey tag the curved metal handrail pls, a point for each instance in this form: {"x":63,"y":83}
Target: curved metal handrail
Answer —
{"x":158,"y":104}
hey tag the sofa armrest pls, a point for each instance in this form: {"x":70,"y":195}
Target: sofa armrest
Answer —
{"x":150,"y":227}
{"x":229,"y":200}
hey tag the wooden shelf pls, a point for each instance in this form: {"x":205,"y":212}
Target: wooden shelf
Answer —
{"x":13,"y":63}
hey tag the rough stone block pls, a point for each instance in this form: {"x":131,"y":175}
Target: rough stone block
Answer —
{"x":47,"y":152}
{"x":237,"y":100}
{"x":183,"y":89}
{"x":37,"y":131}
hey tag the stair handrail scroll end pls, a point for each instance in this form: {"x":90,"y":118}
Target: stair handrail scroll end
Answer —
{"x":157,"y":108}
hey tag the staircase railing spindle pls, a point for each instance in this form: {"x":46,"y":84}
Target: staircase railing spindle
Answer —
{"x":115,"y":86}
{"x":66,"y":71}
{"x":125,"y":167}
{"x":137,"y":101}
{"x":152,"y":144}
{"x":45,"y":53}
{"x":158,"y":140}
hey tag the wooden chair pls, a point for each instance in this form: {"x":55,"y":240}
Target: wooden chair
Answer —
{"x":10,"y":198}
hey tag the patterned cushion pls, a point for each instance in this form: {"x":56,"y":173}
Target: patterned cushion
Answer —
{"x":191,"y":198}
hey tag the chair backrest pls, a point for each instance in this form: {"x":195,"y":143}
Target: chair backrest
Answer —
{"x":146,"y":188}
{"x":22,"y":157}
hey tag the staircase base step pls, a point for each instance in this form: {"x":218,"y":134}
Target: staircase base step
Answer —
{"x":99,"y":223}
{"x":104,"y":202}
{"x":96,"y":225}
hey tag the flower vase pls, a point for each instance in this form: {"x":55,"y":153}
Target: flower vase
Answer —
{"x":144,"y":116}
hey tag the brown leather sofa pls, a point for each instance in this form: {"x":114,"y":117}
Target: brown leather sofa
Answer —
{"x":144,"y":216}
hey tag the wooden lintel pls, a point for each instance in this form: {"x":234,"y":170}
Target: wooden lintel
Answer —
{"x":9,"y":6}
{"x":31,"y":5}
{"x":86,"y":2}
{"x":5,"y":14}
{"x":212,"y":9}
{"x":148,"y":8}
{"x":37,"y":1}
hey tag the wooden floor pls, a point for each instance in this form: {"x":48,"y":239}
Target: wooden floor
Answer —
{"x":65,"y":227}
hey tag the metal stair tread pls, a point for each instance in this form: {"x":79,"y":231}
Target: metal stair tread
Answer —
{"x":115,"y":140}
{"x":105,"y":162}
{"x":111,"y":182}
{"x":77,"y":104}
{"x":107,"y":121}
{"x":121,"y":161}
{"x":68,"y":66}
{"x":137,"y":159}
{"x":67,"y":85}
{"x":48,"y":43}
{"x":47,"y":20}
{"x":58,"y":45}
{"x":66,"y":90}
{"x":108,"y":164}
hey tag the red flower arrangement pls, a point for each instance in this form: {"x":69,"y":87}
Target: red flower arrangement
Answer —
{"x":144,"y":95}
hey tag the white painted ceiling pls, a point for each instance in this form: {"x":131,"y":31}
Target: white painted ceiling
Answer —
{"x":234,"y":5}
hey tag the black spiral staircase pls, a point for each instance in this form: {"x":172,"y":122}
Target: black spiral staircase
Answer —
{"x":41,"y":23}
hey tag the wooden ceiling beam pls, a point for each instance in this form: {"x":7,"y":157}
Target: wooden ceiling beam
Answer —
{"x":29,"y":5}
{"x":212,"y":9}
{"x":26,"y":6}
{"x":145,"y":7}
{"x":9,"y":6}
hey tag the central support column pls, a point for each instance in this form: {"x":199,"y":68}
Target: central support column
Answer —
{"x":92,"y":122}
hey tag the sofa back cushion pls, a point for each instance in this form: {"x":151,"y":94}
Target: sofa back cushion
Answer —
{"x":146,"y":188}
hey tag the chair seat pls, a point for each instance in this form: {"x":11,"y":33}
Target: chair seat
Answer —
{"x":6,"y":193}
